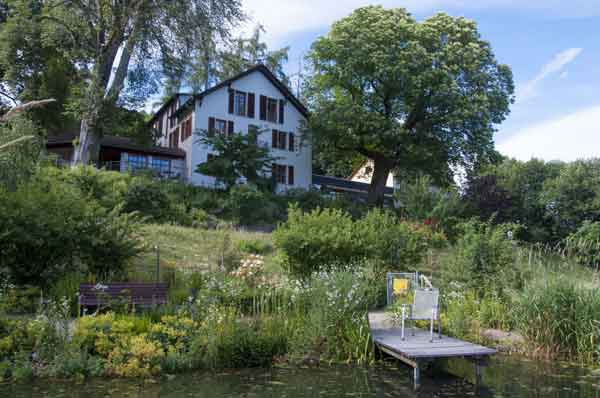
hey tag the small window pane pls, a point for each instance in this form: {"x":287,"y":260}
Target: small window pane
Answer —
{"x":161,"y":165}
{"x":239,"y":103}
{"x":137,"y":162}
{"x":221,"y":126}
{"x":272,"y":110}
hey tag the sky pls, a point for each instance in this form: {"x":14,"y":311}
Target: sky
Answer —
{"x":552,"y":46}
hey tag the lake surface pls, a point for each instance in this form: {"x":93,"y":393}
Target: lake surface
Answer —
{"x":504,"y":377}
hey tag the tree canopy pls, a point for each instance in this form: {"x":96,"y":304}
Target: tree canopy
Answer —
{"x":237,"y":156}
{"x":117,"y":51}
{"x":409,"y":95}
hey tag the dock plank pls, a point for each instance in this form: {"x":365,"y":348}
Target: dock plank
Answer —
{"x":386,"y":335}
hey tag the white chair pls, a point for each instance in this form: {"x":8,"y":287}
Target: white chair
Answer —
{"x":424,"y":308}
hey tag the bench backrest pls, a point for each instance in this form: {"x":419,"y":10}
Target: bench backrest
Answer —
{"x":425,"y":301}
{"x":138,"y":293}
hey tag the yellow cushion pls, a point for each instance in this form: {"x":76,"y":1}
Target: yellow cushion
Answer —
{"x":400,"y":286}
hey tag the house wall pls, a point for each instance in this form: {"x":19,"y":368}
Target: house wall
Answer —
{"x":216,"y":105}
{"x":365,"y":173}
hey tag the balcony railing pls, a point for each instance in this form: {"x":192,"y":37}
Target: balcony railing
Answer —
{"x":161,"y":170}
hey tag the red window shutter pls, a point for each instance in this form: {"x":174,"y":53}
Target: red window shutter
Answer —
{"x":290,"y":175}
{"x":251,"y":105}
{"x":274,"y":138}
{"x":263,"y":108}
{"x":230,"y":127}
{"x":291,"y":142}
{"x":281,"y":108}
{"x":231,"y":94}
{"x":211,"y":126}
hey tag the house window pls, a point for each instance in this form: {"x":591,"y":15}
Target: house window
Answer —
{"x":220,"y":126}
{"x":279,"y":173}
{"x":279,"y":140}
{"x":239,"y":103}
{"x":162,"y":165}
{"x":137,"y":161}
{"x":282,"y":141}
{"x":272,"y":110}
{"x":186,"y":129}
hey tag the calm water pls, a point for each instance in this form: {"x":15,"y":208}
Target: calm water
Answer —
{"x":505,"y":377}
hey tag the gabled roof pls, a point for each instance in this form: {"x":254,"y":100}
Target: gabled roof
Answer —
{"x":256,"y":68}
{"x":165,"y":106}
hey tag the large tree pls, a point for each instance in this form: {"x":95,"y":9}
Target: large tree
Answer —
{"x":34,"y":64}
{"x":406,"y":94}
{"x":123,"y":48}
{"x":243,"y":53}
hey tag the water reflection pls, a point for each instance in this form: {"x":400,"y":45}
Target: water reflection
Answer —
{"x":504,"y":377}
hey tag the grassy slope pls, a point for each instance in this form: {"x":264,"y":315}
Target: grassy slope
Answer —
{"x":190,"y":248}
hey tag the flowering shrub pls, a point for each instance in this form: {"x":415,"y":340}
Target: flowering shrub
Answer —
{"x":331,"y":309}
{"x":250,"y":269}
{"x":174,"y":332}
{"x":135,"y":356}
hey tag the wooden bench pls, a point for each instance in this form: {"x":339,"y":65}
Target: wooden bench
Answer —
{"x":136,"y":293}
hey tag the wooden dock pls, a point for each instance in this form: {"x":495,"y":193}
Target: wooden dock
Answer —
{"x":417,"y":350}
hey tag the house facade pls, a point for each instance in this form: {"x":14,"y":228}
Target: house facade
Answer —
{"x":252,"y":100}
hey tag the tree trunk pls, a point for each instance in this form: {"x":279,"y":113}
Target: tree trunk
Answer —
{"x":381,"y":171}
{"x":88,"y":149}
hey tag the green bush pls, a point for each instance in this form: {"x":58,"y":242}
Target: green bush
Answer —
{"x":483,"y":259}
{"x":421,"y":201}
{"x":255,"y":246}
{"x":317,"y":239}
{"x":465,"y":313}
{"x":248,"y":205}
{"x":48,"y":229}
{"x":584,"y":244}
{"x":147,"y":197}
{"x":323,"y":238}
{"x":393,"y":243}
{"x":75,"y":363}
{"x":226,"y":342}
{"x":23,"y":300}
{"x":560,"y":318}
{"x":108,"y":188}
{"x":328,"y":319}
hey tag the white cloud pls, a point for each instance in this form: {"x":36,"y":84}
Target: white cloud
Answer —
{"x":284,"y":17}
{"x":555,"y":65}
{"x":567,"y":138}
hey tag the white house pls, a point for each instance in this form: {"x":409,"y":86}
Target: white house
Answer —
{"x":254,"y":99}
